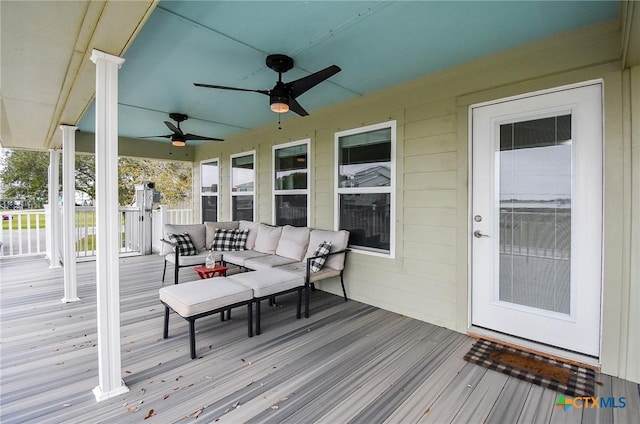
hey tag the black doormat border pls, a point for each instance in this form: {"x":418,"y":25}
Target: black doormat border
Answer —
{"x":581,"y":382}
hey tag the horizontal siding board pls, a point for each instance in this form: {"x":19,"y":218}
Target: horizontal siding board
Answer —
{"x":431,"y":180}
{"x":430,"y":252}
{"x":430,"y":233}
{"x":430,"y":198}
{"x":440,"y":143}
{"x":443,"y":217}
{"x":447,"y":161}
{"x":427,"y":127}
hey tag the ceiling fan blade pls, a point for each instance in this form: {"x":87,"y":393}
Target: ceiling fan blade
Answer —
{"x":200,"y":137}
{"x":158,"y":136}
{"x":294,"y":106}
{"x":224,"y":87}
{"x":304,"y":84}
{"x":173,"y":127}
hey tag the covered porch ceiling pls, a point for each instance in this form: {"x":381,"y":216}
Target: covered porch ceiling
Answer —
{"x":48,"y":80}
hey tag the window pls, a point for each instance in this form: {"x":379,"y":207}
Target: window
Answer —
{"x":209,"y":182}
{"x":365,"y":192}
{"x":243,"y":177}
{"x":291,"y":184}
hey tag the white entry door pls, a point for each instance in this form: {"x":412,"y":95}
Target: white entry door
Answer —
{"x":537,"y":217}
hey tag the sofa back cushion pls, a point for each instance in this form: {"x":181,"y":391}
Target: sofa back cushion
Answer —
{"x":293,"y":242}
{"x":267,"y":239}
{"x":253,"y":232}
{"x":195,"y":231}
{"x":339,"y":240}
{"x":211,"y":226}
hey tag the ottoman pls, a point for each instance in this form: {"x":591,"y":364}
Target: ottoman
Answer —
{"x":197,"y":299}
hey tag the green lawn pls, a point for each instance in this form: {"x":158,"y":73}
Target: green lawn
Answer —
{"x":23,"y":221}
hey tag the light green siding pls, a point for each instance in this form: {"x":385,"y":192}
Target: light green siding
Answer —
{"x":429,"y":277}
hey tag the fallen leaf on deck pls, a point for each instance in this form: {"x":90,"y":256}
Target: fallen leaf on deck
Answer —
{"x":426,"y":411}
{"x":133,"y":409}
{"x":197,"y":413}
{"x":127,"y":372}
{"x":283,"y":399}
{"x":165,"y":397}
{"x":599,"y":383}
{"x":274,"y":407}
{"x":60,"y":363}
{"x":149,"y":414}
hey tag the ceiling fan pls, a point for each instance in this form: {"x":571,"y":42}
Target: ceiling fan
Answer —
{"x":282,"y":97}
{"x":178,"y":138}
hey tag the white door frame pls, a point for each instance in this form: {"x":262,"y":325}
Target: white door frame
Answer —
{"x":471,"y":223}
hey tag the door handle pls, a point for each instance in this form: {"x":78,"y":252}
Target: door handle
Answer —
{"x":478,"y":234}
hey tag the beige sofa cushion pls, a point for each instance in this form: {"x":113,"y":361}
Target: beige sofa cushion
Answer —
{"x":195,"y":231}
{"x":267,"y":262}
{"x":339,"y":240}
{"x":293,"y":242}
{"x":253,"y":232}
{"x":239,"y":257}
{"x":267,"y":239}
{"x":210,"y":228}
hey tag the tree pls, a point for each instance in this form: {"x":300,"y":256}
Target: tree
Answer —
{"x":172,"y":179}
{"x":24,"y":176}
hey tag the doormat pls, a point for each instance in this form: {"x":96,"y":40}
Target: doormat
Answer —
{"x":571,"y":380}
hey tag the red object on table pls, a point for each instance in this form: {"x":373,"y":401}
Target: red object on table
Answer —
{"x":205,"y":272}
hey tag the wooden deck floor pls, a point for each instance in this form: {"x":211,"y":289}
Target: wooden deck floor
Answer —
{"x":349,"y":362}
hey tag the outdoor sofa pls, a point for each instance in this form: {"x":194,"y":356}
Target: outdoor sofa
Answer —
{"x":278,"y":260}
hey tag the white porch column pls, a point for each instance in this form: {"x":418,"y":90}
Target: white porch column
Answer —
{"x":69,"y":212}
{"x":107,"y":227}
{"x":53,"y":229}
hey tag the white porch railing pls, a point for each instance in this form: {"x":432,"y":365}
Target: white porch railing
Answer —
{"x":23,"y":231}
{"x":162,"y":216}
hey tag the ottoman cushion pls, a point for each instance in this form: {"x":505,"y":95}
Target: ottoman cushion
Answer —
{"x":269,"y":281}
{"x":196,"y":297}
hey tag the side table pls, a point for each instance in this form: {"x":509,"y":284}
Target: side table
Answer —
{"x":205,"y":272}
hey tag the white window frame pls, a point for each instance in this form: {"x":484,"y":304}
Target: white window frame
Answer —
{"x":307,"y":191}
{"x":210,"y":193}
{"x":242,"y":193}
{"x":391,"y":189}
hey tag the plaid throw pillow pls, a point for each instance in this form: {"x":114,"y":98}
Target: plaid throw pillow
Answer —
{"x":185,"y":245}
{"x":223,"y":240}
{"x":322,"y":249}
{"x":241,"y":239}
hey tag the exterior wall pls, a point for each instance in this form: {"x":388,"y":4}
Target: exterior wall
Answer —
{"x":429,"y":277}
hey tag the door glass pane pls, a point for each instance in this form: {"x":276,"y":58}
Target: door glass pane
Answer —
{"x":291,"y":209}
{"x":535,"y":213}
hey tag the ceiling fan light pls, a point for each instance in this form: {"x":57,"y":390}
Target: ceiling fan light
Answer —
{"x":178,"y":143}
{"x":279,"y":104}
